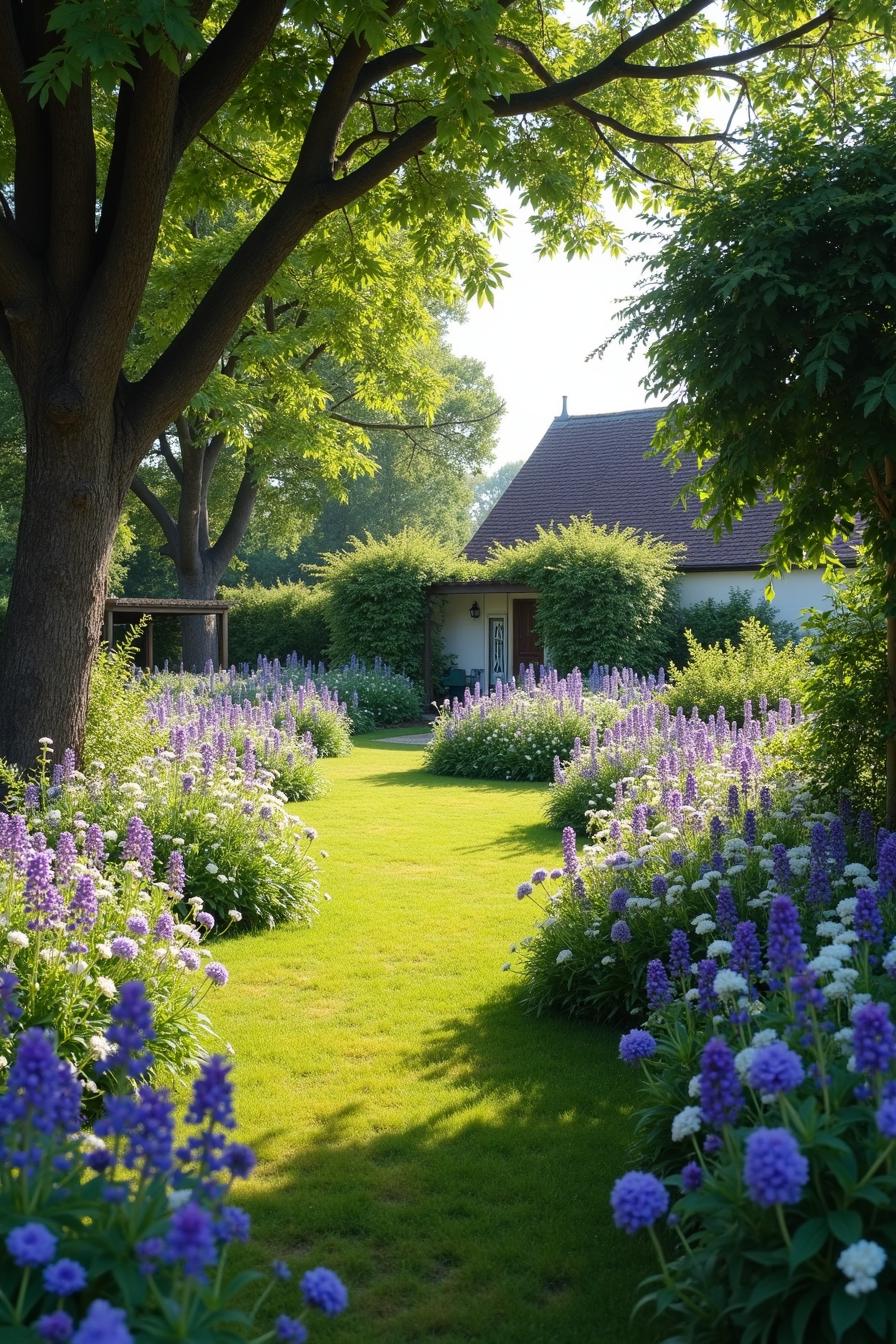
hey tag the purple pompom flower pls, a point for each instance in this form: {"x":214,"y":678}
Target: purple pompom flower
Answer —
{"x":691,"y":1176}
{"x":638,"y":1199}
{"x":290,"y":1330}
{"x":31,"y":1245}
{"x":64,"y":1277}
{"x":323,"y":1289}
{"x":103,"y":1324}
{"x":775,"y":1171}
{"x":55,"y":1327}
{"x":217,"y":973}
{"x":874,"y":1039}
{"x":776,"y":1068}
{"x":125,"y":948}
{"x":620,"y":932}
{"x":636,"y":1045}
{"x":618,"y":901}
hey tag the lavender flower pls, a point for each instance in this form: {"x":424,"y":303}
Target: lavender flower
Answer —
{"x":638,"y":1199}
{"x":175,"y":873}
{"x":707,"y":999}
{"x":95,"y":844}
{"x":679,"y":955}
{"x":868,"y":921}
{"x":66,"y":856}
{"x":84,"y":905}
{"x":138,"y":845}
{"x":785,"y":943}
{"x":659,"y":991}
{"x":726,"y":910}
{"x":721,"y":1094}
{"x":570,"y":858}
{"x":775,"y":1171}
{"x":874,"y":1039}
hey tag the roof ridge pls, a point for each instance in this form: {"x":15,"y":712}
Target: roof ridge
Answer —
{"x":611,"y":415}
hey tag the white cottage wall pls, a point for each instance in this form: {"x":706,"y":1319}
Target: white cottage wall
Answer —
{"x":793,"y":592}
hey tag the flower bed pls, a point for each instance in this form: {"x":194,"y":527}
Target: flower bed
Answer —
{"x":769,"y":1109}
{"x":712,"y":826}
{"x":74,"y":931}
{"x":122,"y":1234}
{"x":520,"y":731}
{"x":191,"y":817}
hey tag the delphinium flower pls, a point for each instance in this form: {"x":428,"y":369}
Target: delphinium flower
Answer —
{"x":785,"y":943}
{"x":721,"y":1094}
{"x":659,"y":991}
{"x":175,"y":873}
{"x":749,"y":827}
{"x":865,"y":828}
{"x":211,"y":1110}
{"x":775,"y":1171}
{"x":83,"y":906}
{"x":138,"y":845}
{"x":818,"y":889}
{"x":874,"y":1038}
{"x":41,"y":1089}
{"x":861,"y":1263}
{"x":726,"y":910}
{"x":781,"y":867}
{"x":638,"y":1199}
{"x":150,"y":1134}
{"x":868,"y":921}
{"x":733,"y":800}
{"x":323,"y":1289}
{"x":746,"y":956}
{"x":41,"y":898}
{"x":765,"y":799}
{"x":807,"y":996}
{"x":130,"y":1032}
{"x":190,"y":1239}
{"x":691,"y":1177}
{"x":716,"y":831}
{"x":95,"y":844}
{"x":10,"y":1008}
{"x":619,"y":899}
{"x":66,"y":856}
{"x":707,"y":1000}
{"x":636,"y":1045}
{"x":837,"y":844}
{"x":679,"y":955}
{"x":885,"y":1118}
{"x":570,"y":858}
{"x":620,"y":932}
{"x":775,"y":1068}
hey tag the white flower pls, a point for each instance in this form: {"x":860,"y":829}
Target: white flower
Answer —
{"x":177,"y":1198}
{"x":565,"y":955}
{"x":100,"y":1048}
{"x":861,"y":1263}
{"x":234,"y":915}
{"x":764,"y":1037}
{"x":829,"y":928}
{"x":744,"y":1059}
{"x":842,"y":951}
{"x":196,"y":902}
{"x":549,"y":922}
{"x":701,"y":884}
{"x":16,"y":938}
{"x":694,"y":1086}
{"x":211,"y":868}
{"x":847,"y":907}
{"x":850,"y":936}
{"x":734,"y":868}
{"x":106,"y":986}
{"x":720,"y":947}
{"x":824,"y":964}
{"x":856,"y":870}
{"x":836,"y":990}
{"x":692,"y":995}
{"x":686,"y":1123}
{"x":706,"y":920}
{"x":729,"y":983}
{"x":847,"y":975}
{"x":890,"y":961}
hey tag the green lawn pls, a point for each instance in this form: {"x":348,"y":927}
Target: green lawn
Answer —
{"x":449,"y":1156}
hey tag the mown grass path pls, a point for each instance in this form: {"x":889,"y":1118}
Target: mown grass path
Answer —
{"x":448,"y":1155}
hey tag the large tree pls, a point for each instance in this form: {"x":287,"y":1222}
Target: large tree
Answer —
{"x":770,"y":313}
{"x":115,"y":113}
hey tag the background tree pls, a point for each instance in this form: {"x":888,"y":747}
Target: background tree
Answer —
{"x":488,"y":489}
{"x":771,"y":312}
{"x":117,"y":115}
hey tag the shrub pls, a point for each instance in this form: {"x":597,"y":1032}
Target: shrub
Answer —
{"x":604,"y":593}
{"x":118,"y":731}
{"x":516,"y":732}
{"x":727,"y":675}
{"x":710,"y":827}
{"x":239,"y":848}
{"x":787,"y":1067}
{"x":375,"y":597}
{"x":274,"y":622}
{"x":374,"y":695}
{"x":73,"y":933}
{"x":121,"y":1235}
{"x":843,"y":749}
{"x":712,"y":622}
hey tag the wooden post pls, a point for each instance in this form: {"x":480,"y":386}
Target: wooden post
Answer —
{"x":148,"y":644}
{"x":110,"y":628}
{"x":427,"y":654}
{"x":222,"y":641}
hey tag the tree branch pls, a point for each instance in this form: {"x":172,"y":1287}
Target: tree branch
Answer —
{"x":158,"y":511}
{"x":167,"y":453}
{"x":72,"y":192}
{"x":238,"y":163}
{"x":233,"y":531}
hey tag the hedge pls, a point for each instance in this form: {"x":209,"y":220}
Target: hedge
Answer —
{"x":288,"y":618}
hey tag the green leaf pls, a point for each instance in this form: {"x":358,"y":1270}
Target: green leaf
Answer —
{"x":844,"y":1311}
{"x":846,"y":1225}
{"x":807,"y":1241}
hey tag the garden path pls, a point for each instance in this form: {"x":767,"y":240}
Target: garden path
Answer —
{"x":449,"y":1156}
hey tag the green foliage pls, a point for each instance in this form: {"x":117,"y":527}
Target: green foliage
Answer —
{"x":603,"y":592}
{"x":118,"y":729}
{"x":375,"y":596}
{"x":842,"y":747}
{"x":488,"y":489}
{"x":712,"y":622}
{"x":579,"y":788}
{"x":275,"y":622}
{"x":374,"y":695}
{"x":728,"y":674}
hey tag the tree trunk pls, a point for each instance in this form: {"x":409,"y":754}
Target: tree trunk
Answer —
{"x":199,"y":634}
{"x":74,"y":494}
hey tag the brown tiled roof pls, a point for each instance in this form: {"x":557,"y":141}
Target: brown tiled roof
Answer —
{"x":596,"y":464}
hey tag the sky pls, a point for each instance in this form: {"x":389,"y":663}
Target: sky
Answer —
{"x":534,"y":342}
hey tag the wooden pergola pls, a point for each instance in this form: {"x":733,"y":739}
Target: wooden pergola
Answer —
{"x":129,"y":610}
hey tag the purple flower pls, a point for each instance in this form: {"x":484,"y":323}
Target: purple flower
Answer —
{"x":636,"y":1045}
{"x":239,"y":1159}
{"x":41,"y":899}
{"x":733,"y":800}
{"x":163,"y":931}
{"x":125,"y":948}
{"x":776,"y":1068}
{"x":691,"y":1176}
{"x":41,"y":1090}
{"x":137,"y":924}
{"x":746,"y":957}
{"x":130,"y":1032}
{"x":716,"y":831}
{"x":868,"y":921}
{"x":785,"y":941}
{"x":31,"y":1245}
{"x":212,"y":1099}
{"x":55,"y":1327}
{"x":150,"y":1132}
{"x":523,"y":890}
{"x":95,"y":844}
{"x":10,"y":1008}
{"x":570,"y":858}
{"x":874,"y":1039}
{"x":217,"y":973}
{"x":726,"y":910}
{"x":750,"y":827}
{"x":721,"y":1094}
{"x":191,"y":1239}
{"x":620,"y":932}
{"x":865,"y":826}
{"x":637,"y":1200}
{"x":886,"y":1118}
{"x":807,"y":997}
{"x":679,"y":955}
{"x":618,"y":901}
{"x":659,"y":991}
{"x":175,"y":873}
{"x":103,"y":1324}
{"x":818,"y":890}
{"x":781,"y":867}
{"x":659,"y":886}
{"x":765,"y":799}
{"x":189,"y":959}
{"x":707,"y":999}
{"x":837,"y":843}
{"x":205,"y":920}
{"x":64,"y":1277}
{"x":234,"y":1224}
{"x":775,"y":1171}
{"x":323,"y":1289}
{"x":290,"y":1330}
{"x":138,"y":845}
{"x":66,"y":856}
{"x":84,"y":905}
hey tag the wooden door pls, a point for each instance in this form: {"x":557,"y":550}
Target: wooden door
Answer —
{"x":527,"y":647}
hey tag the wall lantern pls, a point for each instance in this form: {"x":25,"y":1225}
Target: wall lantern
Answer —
{"x":474,"y":611}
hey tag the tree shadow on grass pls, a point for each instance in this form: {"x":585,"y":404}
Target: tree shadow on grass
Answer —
{"x":481,"y":1221}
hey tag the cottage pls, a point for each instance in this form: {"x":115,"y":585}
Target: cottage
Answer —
{"x":597,"y":465}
